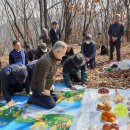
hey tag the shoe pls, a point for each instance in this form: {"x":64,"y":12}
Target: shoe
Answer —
{"x":29,"y":101}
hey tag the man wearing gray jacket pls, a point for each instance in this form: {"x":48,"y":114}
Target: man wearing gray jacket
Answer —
{"x":44,"y":76}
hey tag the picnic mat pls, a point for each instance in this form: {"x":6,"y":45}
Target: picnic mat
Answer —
{"x":32,"y":117}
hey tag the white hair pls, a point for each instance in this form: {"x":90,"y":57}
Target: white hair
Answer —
{"x":59,"y":45}
{"x":117,"y":15}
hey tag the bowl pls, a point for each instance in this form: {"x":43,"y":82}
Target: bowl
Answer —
{"x":103,"y":90}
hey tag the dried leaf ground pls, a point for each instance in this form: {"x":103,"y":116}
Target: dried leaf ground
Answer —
{"x":99,"y":77}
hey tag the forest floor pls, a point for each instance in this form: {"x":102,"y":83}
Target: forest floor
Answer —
{"x":99,"y":77}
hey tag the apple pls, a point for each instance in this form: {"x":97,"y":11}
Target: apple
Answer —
{"x":106,"y":127}
{"x":115,"y":126}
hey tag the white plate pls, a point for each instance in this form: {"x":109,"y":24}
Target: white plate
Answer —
{"x":104,"y":100}
{"x":106,"y":121}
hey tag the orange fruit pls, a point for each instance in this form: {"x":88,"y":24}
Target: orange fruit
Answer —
{"x":104,"y":118}
{"x":104,"y":113}
{"x":111,"y":119}
{"x":110,"y":114}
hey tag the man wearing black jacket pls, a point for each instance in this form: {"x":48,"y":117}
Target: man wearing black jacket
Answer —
{"x":116,"y":31}
{"x":55,"y":34}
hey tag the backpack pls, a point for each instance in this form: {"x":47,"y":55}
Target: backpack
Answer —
{"x":103,"y":50}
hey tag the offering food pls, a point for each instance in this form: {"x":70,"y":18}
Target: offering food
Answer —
{"x":100,"y":106}
{"x":103,"y":91}
{"x":104,"y":106}
{"x":108,"y":116}
{"x":118,"y":98}
{"x":112,"y":126}
{"x":106,"y":127}
{"x":121,"y":110}
{"x":104,"y":98}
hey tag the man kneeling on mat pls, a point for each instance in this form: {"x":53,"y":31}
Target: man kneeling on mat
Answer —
{"x":13,"y":79}
{"x":74,"y":70}
{"x":43,"y":77}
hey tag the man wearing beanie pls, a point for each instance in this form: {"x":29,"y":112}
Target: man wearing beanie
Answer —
{"x":13,"y":78}
{"x":88,"y":49}
{"x":74,"y":70}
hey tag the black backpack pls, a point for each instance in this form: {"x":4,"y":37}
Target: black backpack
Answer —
{"x":103,"y":50}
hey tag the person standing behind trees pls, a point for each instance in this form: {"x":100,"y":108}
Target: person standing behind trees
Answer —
{"x":18,"y":54}
{"x":55,"y":33}
{"x":115,"y":32}
{"x":44,"y":36}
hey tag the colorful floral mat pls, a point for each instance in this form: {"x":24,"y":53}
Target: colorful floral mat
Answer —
{"x":32,"y":117}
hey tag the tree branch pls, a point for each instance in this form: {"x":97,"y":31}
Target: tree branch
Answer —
{"x":54,"y":5}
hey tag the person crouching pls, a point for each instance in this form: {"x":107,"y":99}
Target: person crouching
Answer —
{"x":74,"y":70}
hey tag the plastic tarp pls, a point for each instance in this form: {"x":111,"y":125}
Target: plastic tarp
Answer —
{"x":33,"y":117}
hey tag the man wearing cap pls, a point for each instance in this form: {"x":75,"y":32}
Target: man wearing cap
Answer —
{"x":44,"y":77}
{"x":13,"y":78}
{"x":115,"y":32}
{"x":74,"y":70}
{"x":55,"y":34}
{"x":40,"y":51}
{"x":88,"y":49}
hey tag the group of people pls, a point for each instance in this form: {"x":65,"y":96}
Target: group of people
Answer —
{"x":38,"y":76}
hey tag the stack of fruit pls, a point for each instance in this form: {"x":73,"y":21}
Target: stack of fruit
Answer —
{"x":106,"y":116}
{"x":112,"y":126}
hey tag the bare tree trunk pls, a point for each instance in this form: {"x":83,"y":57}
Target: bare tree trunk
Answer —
{"x":45,"y":13}
{"x":128,"y":24}
{"x":41,"y":14}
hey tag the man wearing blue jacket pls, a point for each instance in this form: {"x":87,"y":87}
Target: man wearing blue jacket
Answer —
{"x":88,"y":49}
{"x":18,"y":54}
{"x":116,"y":31}
{"x":13,"y":79}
